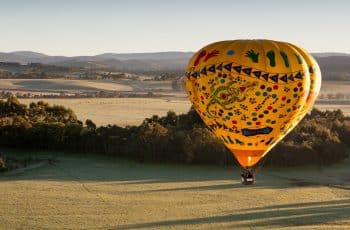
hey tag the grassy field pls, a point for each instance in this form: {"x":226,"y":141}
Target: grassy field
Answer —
{"x":335,"y":87}
{"x":132,"y":111}
{"x":60,"y":85}
{"x":128,"y":111}
{"x":89,"y":192}
{"x":121,"y":111}
{"x":122,"y":85}
{"x":54,"y":85}
{"x":344,"y":108}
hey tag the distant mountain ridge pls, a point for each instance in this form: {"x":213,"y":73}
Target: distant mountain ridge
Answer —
{"x":333,"y":65}
{"x":331,"y":54}
{"x":122,"y":61}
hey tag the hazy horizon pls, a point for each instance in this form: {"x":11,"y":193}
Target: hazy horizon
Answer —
{"x":85,"y":28}
{"x":169,"y":51}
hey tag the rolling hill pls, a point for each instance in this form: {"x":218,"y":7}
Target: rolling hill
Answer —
{"x":131,"y":62}
{"x":334,"y":66}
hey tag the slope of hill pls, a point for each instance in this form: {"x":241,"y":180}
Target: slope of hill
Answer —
{"x":329,"y":54}
{"x":148,"y":56}
{"x":23,"y":55}
{"x":334,"y":67}
{"x":131,"y":62}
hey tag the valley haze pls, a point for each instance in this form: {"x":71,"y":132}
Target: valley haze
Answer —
{"x":158,"y":61}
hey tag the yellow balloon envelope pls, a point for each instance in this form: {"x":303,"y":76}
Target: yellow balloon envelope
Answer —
{"x":251,"y":93}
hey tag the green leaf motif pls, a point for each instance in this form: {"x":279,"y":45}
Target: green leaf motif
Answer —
{"x":300,"y":61}
{"x":252,"y":55}
{"x":285,"y":58}
{"x":271,"y":57}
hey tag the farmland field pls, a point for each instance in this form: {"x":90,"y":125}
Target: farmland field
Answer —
{"x":63,"y":85}
{"x":121,"y":111}
{"x":91,"y":192}
{"x":128,"y":111}
{"x":344,"y":108}
{"x":59,"y":85}
{"x":122,"y":85}
{"x":132,"y":111}
{"x":335,"y":87}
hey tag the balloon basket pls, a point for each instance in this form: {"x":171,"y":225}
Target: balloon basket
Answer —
{"x":247,"y":177}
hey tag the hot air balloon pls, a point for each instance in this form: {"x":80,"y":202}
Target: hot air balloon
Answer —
{"x":251,"y":93}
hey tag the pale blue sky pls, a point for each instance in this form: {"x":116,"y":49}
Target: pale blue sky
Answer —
{"x":70,"y":28}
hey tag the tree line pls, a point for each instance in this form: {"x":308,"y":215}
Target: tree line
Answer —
{"x":321,"y":137}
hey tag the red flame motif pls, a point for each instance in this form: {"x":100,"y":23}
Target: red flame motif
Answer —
{"x":213,"y":53}
{"x":206,"y":56}
{"x":199,"y":57}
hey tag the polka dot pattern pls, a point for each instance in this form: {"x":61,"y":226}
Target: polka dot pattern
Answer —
{"x":248,"y":103}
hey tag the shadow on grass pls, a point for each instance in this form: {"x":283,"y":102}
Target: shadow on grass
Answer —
{"x":298,"y":214}
{"x":87,"y":168}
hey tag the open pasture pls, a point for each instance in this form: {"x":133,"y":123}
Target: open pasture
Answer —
{"x":64,"y":85}
{"x":132,"y":111}
{"x":120,"y":111}
{"x":91,"y":192}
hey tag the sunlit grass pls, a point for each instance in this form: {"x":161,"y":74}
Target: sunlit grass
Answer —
{"x":85,"y":191}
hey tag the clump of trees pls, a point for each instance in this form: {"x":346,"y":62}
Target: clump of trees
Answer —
{"x":321,"y":138}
